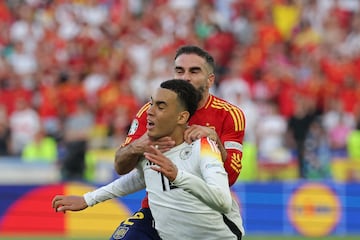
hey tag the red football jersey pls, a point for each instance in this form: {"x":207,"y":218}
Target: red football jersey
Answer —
{"x":227,"y":120}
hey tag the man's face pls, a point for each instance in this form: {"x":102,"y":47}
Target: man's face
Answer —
{"x":194,"y":69}
{"x":163,"y":115}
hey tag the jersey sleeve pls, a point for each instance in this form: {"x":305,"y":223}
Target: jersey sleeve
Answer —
{"x":232,"y":138}
{"x":213,"y":188}
{"x":138,"y":125}
{"x":124,"y":185}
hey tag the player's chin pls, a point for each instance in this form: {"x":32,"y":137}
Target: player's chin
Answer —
{"x":152,"y":133}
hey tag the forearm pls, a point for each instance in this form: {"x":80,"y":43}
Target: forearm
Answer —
{"x":217,"y":196}
{"x":122,"y":186}
{"x":233,"y":162}
{"x":126,"y":158}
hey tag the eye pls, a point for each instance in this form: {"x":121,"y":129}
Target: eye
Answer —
{"x":179,"y":70}
{"x":161,"y":105}
{"x":195,"y":71}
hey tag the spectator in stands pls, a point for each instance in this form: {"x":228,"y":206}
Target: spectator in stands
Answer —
{"x":24,"y":124}
{"x":278,"y":62}
{"x":353,"y":140}
{"x":77,"y":129}
{"x":42,"y":149}
{"x":317,"y":155}
{"x":270,"y":136}
{"x":297,"y":128}
{"x":4,"y":132}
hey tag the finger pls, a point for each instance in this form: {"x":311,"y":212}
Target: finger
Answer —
{"x":193,"y":136}
{"x":55,"y":199}
{"x":56,"y":203}
{"x":164,"y":139}
{"x":187,"y":136}
{"x":62,"y":209}
{"x":154,"y":159}
{"x":150,"y":156}
{"x":156,"y":168}
{"x":154,"y":149}
{"x":164,"y":143}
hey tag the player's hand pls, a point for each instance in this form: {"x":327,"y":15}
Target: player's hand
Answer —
{"x":163,"y":144}
{"x":63,"y":203}
{"x":163,"y":164}
{"x":195,"y":132}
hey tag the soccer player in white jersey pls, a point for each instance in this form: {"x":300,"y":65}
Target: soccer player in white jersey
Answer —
{"x":187,"y":186}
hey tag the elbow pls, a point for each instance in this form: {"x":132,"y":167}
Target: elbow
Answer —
{"x":119,"y":167}
{"x":226,"y":204}
{"x":116,"y":164}
{"x":122,"y":165}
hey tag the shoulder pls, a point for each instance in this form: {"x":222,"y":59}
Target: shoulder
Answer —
{"x":229,"y":111}
{"x":207,"y":145}
{"x":217,"y":102}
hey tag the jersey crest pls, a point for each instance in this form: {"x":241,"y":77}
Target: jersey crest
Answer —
{"x":134,"y":126}
{"x":185,"y":153}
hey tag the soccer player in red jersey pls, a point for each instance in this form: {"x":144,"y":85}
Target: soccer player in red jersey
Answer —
{"x":215,"y":118}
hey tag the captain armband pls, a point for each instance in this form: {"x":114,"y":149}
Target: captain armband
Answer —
{"x":233,"y":145}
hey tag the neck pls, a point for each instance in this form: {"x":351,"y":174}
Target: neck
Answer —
{"x":178,"y":135}
{"x":203,"y":100}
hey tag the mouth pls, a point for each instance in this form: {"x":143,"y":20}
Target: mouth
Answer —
{"x":150,"y":124}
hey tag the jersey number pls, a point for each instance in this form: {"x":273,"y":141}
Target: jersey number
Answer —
{"x":138,"y":215}
{"x":166,"y":185}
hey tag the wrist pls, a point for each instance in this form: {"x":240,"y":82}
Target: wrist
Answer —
{"x":135,"y":150}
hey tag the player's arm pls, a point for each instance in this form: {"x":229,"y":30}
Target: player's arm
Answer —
{"x":232,"y":138}
{"x":229,"y":142}
{"x":126,"y":184}
{"x":122,"y":186}
{"x":136,"y":143}
{"x":127,"y":157}
{"x":128,"y":154}
{"x":213,"y":189}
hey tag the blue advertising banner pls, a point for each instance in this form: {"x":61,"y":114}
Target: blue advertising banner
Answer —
{"x":285,"y":208}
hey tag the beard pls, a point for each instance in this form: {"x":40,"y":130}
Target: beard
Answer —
{"x":202,"y":90}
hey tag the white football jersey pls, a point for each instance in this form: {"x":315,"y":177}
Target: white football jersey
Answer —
{"x":191,"y":206}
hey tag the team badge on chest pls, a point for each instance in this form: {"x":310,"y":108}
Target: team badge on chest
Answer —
{"x":185,"y":153}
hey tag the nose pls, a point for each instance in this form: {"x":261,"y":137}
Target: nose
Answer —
{"x":186,"y":76}
{"x":150,"y":110}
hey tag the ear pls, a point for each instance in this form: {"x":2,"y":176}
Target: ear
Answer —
{"x":211,"y":79}
{"x":183,"y":117}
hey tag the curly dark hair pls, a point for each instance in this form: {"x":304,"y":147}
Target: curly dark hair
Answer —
{"x":187,"y":94}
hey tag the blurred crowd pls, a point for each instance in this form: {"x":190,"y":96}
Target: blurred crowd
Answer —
{"x":73,"y":73}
